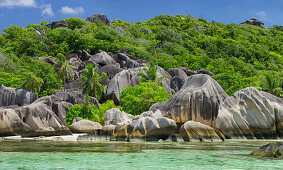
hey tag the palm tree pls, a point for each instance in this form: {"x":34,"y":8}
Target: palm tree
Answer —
{"x":62,"y":67}
{"x":33,"y":83}
{"x":272,"y":84}
{"x":149,"y":73}
{"x":90,"y":80}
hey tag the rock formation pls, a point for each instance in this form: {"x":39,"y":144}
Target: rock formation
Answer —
{"x":272,"y":150}
{"x":176,"y":83}
{"x":102,"y":58}
{"x":251,"y":113}
{"x":178,"y":72}
{"x":85,"y":126}
{"x":198,"y":100}
{"x":57,"y":24}
{"x":191,"y":131}
{"x":115,"y":116}
{"x":16,"y":96}
{"x":146,"y":128}
{"x":98,"y":17}
{"x":253,"y":21}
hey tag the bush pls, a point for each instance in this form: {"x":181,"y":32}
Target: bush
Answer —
{"x":89,"y":111}
{"x":138,"y":99}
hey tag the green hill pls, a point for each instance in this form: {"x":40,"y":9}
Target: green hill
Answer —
{"x":239,"y":55}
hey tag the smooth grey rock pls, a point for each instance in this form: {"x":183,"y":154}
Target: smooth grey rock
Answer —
{"x":196,"y":131}
{"x":57,"y":24}
{"x":253,"y":21}
{"x":102,"y":58}
{"x":85,"y":126}
{"x":198,"y":100}
{"x":115,"y":116}
{"x":84,"y":56}
{"x":16,"y":96}
{"x":188,"y":71}
{"x":42,"y":120}
{"x":203,"y":71}
{"x":272,"y":150}
{"x":74,"y":97}
{"x":98,"y":17}
{"x":176,"y":83}
{"x":250,"y":113}
{"x":178,"y":72}
{"x":11,"y":124}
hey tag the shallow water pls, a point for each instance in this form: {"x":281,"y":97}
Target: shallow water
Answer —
{"x":28,"y":154}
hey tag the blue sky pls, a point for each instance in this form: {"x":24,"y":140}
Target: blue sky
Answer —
{"x":24,"y":12}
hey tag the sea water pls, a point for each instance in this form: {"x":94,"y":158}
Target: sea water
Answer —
{"x":32,"y":154}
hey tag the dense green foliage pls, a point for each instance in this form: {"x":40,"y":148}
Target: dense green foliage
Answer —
{"x":238,"y":54}
{"x":90,"y":80}
{"x":138,"y":99}
{"x":25,"y":72}
{"x":89,"y":111}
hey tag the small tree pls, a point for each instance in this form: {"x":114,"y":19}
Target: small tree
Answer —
{"x":33,"y":83}
{"x":138,"y":99}
{"x":62,"y":68}
{"x":90,"y":80}
{"x":149,"y":73}
{"x":272,"y":83}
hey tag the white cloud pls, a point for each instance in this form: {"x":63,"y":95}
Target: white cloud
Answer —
{"x":17,"y":3}
{"x":72,"y":11}
{"x":47,"y":10}
{"x":261,"y":14}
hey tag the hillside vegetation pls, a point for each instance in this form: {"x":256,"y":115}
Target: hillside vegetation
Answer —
{"x":239,"y":55}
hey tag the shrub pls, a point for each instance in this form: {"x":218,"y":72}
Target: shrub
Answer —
{"x":89,"y":111}
{"x":138,"y":99}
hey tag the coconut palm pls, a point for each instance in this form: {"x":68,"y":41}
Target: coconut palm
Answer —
{"x":33,"y":83}
{"x":149,"y":73}
{"x":272,"y":84}
{"x":90,"y":79}
{"x":62,"y":68}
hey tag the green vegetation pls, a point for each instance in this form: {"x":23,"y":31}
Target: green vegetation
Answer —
{"x":89,"y":111}
{"x":90,"y":80}
{"x":239,"y":55}
{"x":149,"y":73}
{"x":138,"y":99}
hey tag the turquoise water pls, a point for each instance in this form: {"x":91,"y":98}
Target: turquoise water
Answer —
{"x":142,"y":155}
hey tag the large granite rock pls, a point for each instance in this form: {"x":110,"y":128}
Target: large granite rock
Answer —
{"x":272,"y":150}
{"x":42,"y":120}
{"x":85,"y":126}
{"x":176,"y":83}
{"x":111,"y":70}
{"x":198,"y":100}
{"x":146,"y":128}
{"x":74,"y":97}
{"x":59,"y":107}
{"x":98,"y":17}
{"x":11,"y":124}
{"x":115,"y":116}
{"x":203,"y":71}
{"x":254,"y":21}
{"x":125,"y":62}
{"x":57,"y":24}
{"x":178,"y":72}
{"x":251,"y":113}
{"x":16,"y":96}
{"x":102,"y":58}
{"x":195,"y":131}
{"x":119,"y":82}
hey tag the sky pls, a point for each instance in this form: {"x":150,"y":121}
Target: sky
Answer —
{"x":24,"y":12}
